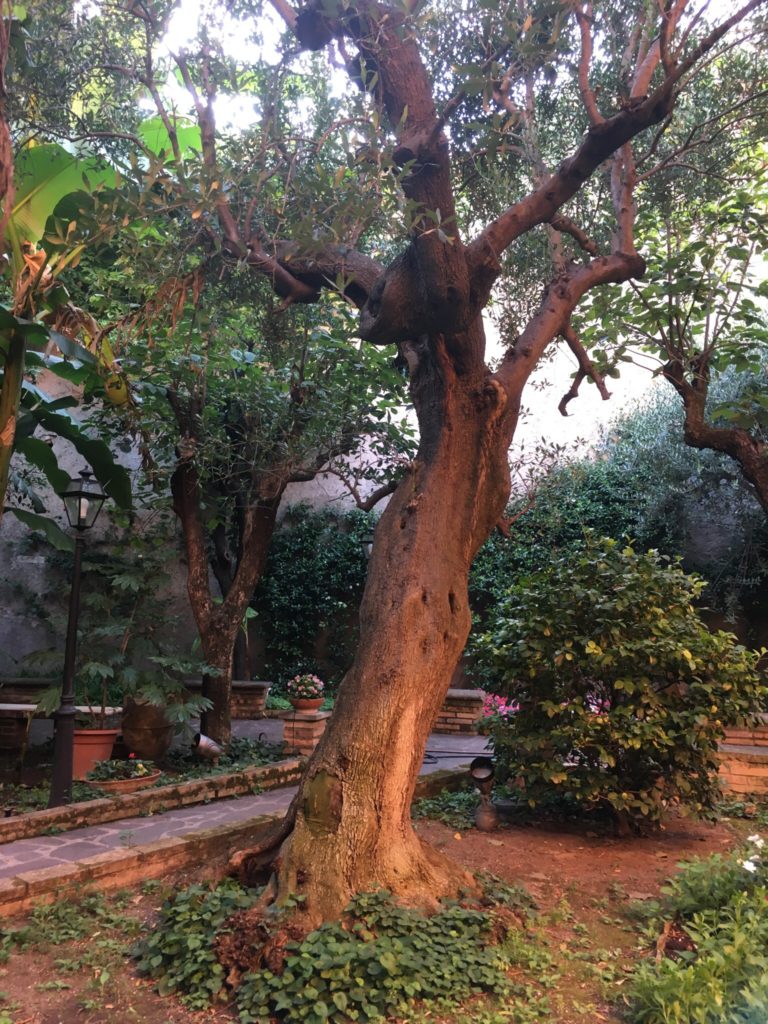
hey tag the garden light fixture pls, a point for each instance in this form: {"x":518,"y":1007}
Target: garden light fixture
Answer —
{"x":82,"y":499}
{"x":481,"y":771}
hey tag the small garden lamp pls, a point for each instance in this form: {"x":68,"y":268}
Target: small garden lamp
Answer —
{"x":481,"y":771}
{"x":82,"y":499}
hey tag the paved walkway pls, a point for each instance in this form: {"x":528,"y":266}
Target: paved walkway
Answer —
{"x":443,"y":751}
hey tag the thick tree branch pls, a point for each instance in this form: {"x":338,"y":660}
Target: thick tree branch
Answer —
{"x":186,"y":505}
{"x":551,"y":319}
{"x":569,"y":227}
{"x":750,"y":453}
{"x":286,"y":12}
{"x":584,"y":19}
{"x":599,"y":143}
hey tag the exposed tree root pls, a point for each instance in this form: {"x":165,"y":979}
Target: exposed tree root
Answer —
{"x":254,"y":866}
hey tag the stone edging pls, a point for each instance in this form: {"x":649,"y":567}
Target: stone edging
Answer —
{"x":150,"y":801}
{"x":118,"y":869}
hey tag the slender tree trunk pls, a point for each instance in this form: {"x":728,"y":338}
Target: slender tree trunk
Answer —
{"x":218,"y":624}
{"x":10,"y":395}
{"x":352,"y":825}
{"x":218,"y":643}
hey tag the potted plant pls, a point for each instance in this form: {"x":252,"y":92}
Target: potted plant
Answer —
{"x":124,"y":776}
{"x":157,"y":704}
{"x":126,"y":660}
{"x":305,"y":692}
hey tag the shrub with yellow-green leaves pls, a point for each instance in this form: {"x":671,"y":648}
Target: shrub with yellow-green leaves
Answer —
{"x":623,"y":693}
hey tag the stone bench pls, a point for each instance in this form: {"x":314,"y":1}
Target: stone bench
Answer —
{"x":460,"y":712}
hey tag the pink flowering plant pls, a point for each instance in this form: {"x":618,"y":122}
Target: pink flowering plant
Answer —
{"x":305,"y":687}
{"x":496,"y":710}
{"x":132,"y":768}
{"x":496,"y":705}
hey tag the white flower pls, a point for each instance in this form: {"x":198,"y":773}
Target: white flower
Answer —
{"x":758,"y":842}
{"x":749,"y":865}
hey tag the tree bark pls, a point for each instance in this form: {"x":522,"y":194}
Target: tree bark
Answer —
{"x":352,"y":827}
{"x":218,"y":624}
{"x":349,"y":828}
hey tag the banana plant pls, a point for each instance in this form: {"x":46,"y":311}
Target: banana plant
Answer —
{"x":44,"y":175}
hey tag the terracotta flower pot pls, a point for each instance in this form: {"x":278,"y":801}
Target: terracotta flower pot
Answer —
{"x":306,"y":703}
{"x":119,"y":786}
{"x":90,"y":746}
{"x":146,"y":731}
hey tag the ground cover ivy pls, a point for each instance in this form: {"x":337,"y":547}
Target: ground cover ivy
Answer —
{"x":622,"y":693}
{"x":379,"y":959}
{"x":179,"y":954}
{"x":720,"y":904}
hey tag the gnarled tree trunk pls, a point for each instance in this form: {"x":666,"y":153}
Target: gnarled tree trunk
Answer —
{"x":352,"y":828}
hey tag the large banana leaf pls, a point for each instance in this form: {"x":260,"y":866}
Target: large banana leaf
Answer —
{"x":113,"y":478}
{"x":155,"y":137}
{"x":44,"y":175}
{"x":52,"y":530}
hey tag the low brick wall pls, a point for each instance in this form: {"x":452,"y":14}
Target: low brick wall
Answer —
{"x":302,"y":729}
{"x":755,"y":735}
{"x":742,"y":772}
{"x":25,"y":689}
{"x":460,"y":712}
{"x":127,"y":867}
{"x":151,"y":801}
{"x":249,"y":697}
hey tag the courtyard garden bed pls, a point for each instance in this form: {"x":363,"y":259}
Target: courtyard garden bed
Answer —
{"x":576,"y":953}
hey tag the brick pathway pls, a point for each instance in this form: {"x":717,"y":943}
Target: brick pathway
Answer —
{"x":443,"y":751}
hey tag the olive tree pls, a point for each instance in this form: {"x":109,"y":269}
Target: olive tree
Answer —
{"x":484,"y":127}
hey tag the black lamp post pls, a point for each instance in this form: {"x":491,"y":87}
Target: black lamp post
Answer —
{"x":82,"y":499}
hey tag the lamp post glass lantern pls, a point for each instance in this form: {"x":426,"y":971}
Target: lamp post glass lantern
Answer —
{"x":82,"y":499}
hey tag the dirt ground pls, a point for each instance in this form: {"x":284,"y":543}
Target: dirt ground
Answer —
{"x":582,"y":882}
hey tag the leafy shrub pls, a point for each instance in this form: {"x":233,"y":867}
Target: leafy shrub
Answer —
{"x":307,"y":599}
{"x":179,"y":953}
{"x":646,"y":483}
{"x":377,"y":961}
{"x":623,"y":693}
{"x":720,"y":902}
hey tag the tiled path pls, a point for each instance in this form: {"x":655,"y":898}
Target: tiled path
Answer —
{"x":48,"y":851}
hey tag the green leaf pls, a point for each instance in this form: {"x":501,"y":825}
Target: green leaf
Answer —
{"x":44,"y":175}
{"x":56,"y":536}
{"x":155,"y":137}
{"x":41,"y":455}
{"x":113,"y":478}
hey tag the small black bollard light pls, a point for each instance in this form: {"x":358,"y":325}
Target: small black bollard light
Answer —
{"x":481,"y":772}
